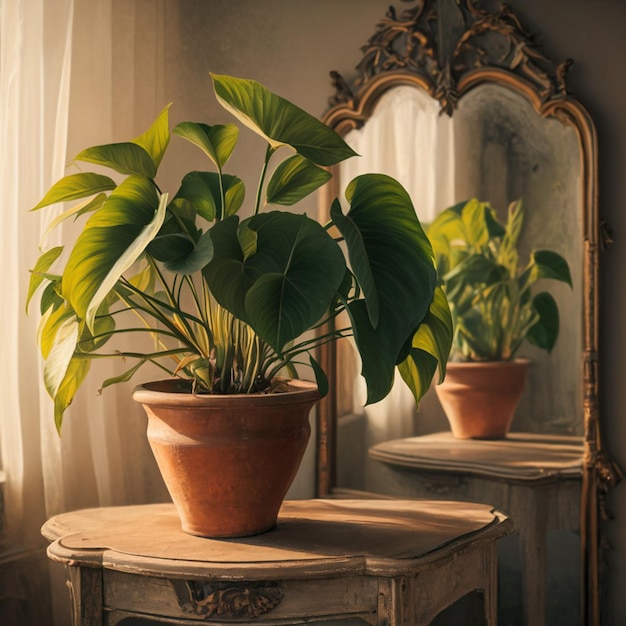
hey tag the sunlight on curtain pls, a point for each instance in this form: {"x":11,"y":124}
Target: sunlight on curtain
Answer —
{"x":405,"y":138}
{"x":34,"y":87}
{"x":57,"y":96}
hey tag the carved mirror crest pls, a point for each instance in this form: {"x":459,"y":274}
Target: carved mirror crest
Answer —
{"x":518,"y":132}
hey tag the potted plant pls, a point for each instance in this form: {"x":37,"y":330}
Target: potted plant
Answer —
{"x":493,"y":311}
{"x":232,"y":304}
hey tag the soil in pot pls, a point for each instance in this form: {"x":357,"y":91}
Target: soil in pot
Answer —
{"x":480,"y":398}
{"x":227,"y":460}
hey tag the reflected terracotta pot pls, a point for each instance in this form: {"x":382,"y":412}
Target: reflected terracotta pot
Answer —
{"x":480,"y":398}
{"x":227,"y":460}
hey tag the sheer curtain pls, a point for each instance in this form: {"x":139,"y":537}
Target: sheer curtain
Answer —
{"x":56,"y":97}
{"x":34,"y":88}
{"x":405,"y":138}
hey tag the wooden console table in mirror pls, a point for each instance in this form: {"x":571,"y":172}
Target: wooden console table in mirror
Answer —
{"x":463,"y":92}
{"x":535,"y":478}
{"x":327,"y":563}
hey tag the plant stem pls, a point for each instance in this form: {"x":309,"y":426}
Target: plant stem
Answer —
{"x":268,"y":155}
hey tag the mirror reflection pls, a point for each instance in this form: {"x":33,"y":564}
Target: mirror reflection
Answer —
{"x":497,"y":149}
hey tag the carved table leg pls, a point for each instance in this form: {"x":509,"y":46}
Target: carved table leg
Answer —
{"x":85,"y":587}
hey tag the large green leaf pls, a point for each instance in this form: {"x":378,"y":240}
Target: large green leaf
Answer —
{"x":279,"y":121}
{"x":294,"y":179}
{"x":76,"y":186}
{"x":125,"y":158}
{"x":156,"y":139}
{"x":217,"y":142}
{"x":380,"y":227}
{"x":113,"y":239}
{"x":300,"y":269}
{"x":393,"y":261}
{"x":545,"y":331}
{"x":287,"y":285}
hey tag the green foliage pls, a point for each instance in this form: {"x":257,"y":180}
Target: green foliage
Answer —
{"x":231,"y":302}
{"x":489,"y":294}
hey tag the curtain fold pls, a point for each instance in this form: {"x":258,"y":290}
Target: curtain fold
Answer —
{"x":35,"y":56}
{"x":57,"y":97}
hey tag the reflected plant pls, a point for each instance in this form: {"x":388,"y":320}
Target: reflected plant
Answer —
{"x":489,"y":292}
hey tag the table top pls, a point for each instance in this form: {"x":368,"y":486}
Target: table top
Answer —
{"x":520,"y":456}
{"x":311,"y":535}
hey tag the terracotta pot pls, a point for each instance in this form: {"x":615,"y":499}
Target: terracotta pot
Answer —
{"x":480,"y":398}
{"x":227,"y":460}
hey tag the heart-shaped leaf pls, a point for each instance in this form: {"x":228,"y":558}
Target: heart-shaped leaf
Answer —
{"x":287,"y":285}
{"x":279,"y":121}
{"x":548,"y":264}
{"x":203,"y":190}
{"x":217,"y":142}
{"x":294,"y":179}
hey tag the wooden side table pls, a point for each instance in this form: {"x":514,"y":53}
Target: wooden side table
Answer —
{"x":535,"y":479}
{"x":328,"y":562}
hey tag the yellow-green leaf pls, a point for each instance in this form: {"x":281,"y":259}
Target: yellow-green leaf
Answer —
{"x":156,"y":139}
{"x":43,"y":265}
{"x":74,"y":187}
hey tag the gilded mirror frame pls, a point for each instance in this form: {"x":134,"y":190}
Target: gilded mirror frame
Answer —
{"x":447,"y":59}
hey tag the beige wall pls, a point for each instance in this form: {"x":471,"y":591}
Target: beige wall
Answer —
{"x":290,"y":46}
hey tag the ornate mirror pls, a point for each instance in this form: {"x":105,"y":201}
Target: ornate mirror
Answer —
{"x":457,"y":101}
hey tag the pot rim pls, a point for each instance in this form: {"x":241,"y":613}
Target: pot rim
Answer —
{"x":164,"y":392}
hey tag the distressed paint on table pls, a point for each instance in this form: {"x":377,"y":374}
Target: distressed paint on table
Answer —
{"x":370,"y":562}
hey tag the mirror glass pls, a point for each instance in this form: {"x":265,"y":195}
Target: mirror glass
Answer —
{"x":498,"y":149}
